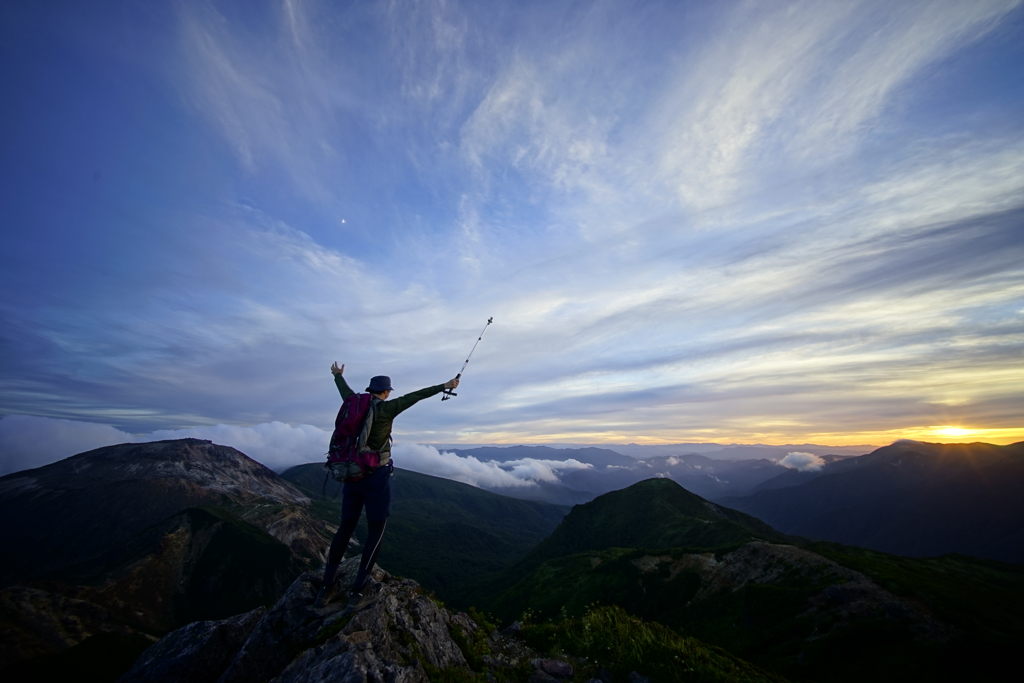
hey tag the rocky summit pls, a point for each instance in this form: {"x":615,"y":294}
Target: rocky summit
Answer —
{"x":403,"y":637}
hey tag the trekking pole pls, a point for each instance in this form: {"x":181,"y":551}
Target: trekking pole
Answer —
{"x":448,"y":393}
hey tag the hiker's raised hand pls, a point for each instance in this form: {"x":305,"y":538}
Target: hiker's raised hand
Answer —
{"x":452,"y":383}
{"x":335,"y":370}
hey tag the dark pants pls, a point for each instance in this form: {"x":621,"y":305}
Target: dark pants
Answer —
{"x":373,"y":493}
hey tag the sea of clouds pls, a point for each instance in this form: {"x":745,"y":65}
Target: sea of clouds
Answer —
{"x":28,"y":441}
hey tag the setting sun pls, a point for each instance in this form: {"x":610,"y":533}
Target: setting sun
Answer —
{"x":954,"y":432}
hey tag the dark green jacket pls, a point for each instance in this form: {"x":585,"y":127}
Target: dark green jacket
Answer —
{"x":387,"y":411}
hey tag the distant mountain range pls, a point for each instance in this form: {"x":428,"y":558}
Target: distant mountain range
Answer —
{"x":717,"y":451}
{"x":910,"y":498}
{"x":709,"y":477}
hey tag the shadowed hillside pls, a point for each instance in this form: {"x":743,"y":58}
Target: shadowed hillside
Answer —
{"x":127,"y":542}
{"x":72,"y":513}
{"x":806,"y":611}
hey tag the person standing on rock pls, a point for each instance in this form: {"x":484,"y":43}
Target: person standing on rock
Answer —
{"x":372,"y":492}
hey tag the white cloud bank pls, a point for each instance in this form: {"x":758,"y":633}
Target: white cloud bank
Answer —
{"x":27,"y":442}
{"x":484,"y":474}
{"x":803,"y":462}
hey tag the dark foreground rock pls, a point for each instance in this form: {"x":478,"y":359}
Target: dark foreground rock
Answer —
{"x":198,"y":652}
{"x":404,"y":637}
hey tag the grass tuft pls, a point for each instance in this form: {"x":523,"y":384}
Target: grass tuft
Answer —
{"x":608,"y":637}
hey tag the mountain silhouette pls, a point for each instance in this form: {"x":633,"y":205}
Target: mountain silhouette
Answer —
{"x":910,"y":498}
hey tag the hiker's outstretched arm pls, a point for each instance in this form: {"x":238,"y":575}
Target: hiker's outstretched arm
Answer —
{"x":339,"y":380}
{"x":397,"y":405}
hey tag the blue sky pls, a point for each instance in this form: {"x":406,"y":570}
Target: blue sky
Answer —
{"x":692,"y":221}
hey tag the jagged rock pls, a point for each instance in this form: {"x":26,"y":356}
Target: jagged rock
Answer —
{"x":196,"y":653}
{"x":384,"y":641}
{"x":400,"y":638}
{"x":634,"y":677}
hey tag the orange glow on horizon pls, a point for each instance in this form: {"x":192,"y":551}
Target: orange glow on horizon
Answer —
{"x":768,"y":437}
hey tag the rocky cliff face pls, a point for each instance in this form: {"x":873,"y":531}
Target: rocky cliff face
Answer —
{"x":403,"y":637}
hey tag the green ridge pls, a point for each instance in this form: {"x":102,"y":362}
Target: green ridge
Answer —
{"x":789,"y":616}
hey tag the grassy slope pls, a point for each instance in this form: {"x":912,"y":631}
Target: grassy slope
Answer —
{"x":609,"y":638}
{"x":443,"y":533}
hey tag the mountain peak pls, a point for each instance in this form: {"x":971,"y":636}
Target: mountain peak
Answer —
{"x":654,"y":513}
{"x":197,"y":462}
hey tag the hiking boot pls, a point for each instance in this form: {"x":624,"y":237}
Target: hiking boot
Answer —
{"x":367,"y":596}
{"x":325,"y":595}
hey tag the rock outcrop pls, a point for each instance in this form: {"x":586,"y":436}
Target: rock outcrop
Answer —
{"x":403,"y":637}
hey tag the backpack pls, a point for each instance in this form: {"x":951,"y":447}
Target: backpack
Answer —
{"x":347,"y":457}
